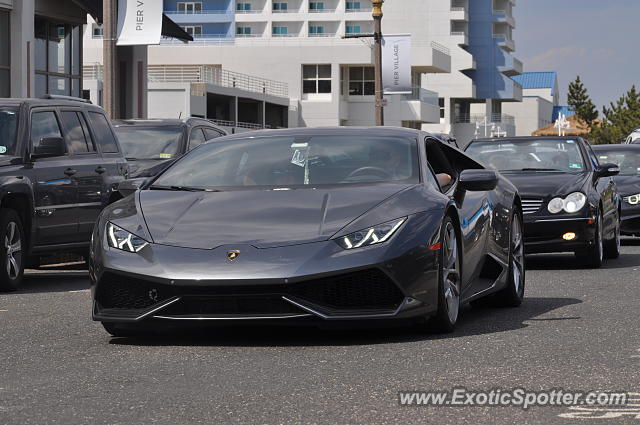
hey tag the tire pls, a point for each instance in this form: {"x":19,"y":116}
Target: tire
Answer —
{"x":513,"y":294}
{"x":593,"y":256}
{"x":612,"y":246}
{"x":449,"y":280}
{"x":13,"y":258}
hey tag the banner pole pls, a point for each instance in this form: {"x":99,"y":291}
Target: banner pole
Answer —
{"x":110,"y":58}
{"x":377,"y":33}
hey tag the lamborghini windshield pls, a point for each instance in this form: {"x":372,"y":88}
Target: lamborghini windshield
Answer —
{"x":529,"y":155}
{"x":283,"y":161}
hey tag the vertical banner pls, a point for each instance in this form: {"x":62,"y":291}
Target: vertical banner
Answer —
{"x":396,"y":64}
{"x":139,"y":22}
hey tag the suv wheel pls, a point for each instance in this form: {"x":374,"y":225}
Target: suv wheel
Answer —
{"x":13,"y":255}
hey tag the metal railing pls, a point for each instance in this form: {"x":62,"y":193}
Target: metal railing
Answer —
{"x":92,"y":72}
{"x":441,"y":48}
{"x":423,"y":95}
{"x":458,"y":33}
{"x":322,"y":10}
{"x":215,"y":75}
{"x":252,"y":11}
{"x":482,"y":118}
{"x":362,"y":9}
{"x":198,"y":12}
{"x":323,"y":34}
{"x":200,"y":40}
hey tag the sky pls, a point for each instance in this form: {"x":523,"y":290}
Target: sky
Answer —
{"x":596,"y":39}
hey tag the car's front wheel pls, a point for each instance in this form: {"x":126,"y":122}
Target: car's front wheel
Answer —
{"x":593,"y":255}
{"x":612,"y":246}
{"x":13,"y":255}
{"x":513,"y":293}
{"x":449,"y":280}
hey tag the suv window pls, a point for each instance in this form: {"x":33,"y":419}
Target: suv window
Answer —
{"x":197,"y":138}
{"x":210,"y":133}
{"x":77,"y":133}
{"x":103,"y":132}
{"x":43,"y":125}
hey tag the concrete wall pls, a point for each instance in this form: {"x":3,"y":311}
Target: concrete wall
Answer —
{"x":531,"y":114}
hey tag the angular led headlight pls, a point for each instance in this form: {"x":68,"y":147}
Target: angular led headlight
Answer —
{"x":371,"y":236}
{"x":121,"y":239}
{"x":571,"y":204}
{"x":574,"y":202}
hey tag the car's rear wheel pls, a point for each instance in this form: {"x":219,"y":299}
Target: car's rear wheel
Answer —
{"x":612,"y":246}
{"x":513,"y":293}
{"x":449,"y":280}
{"x":593,"y":255}
{"x":13,"y":256}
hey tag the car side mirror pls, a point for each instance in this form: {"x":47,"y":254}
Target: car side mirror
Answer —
{"x":49,"y":147}
{"x":478,"y":180}
{"x":127,"y":187}
{"x":607,"y":170}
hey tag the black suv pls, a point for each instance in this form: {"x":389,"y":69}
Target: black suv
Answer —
{"x":60,"y":163}
{"x":151,"y":145}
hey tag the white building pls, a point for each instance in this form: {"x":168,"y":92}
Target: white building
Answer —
{"x":540,"y":97}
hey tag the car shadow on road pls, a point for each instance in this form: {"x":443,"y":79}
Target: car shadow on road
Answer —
{"x":40,"y":281}
{"x":474,"y":321}
{"x":570,"y":262}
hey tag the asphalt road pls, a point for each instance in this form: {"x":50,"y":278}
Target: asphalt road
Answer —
{"x":577,"y":330}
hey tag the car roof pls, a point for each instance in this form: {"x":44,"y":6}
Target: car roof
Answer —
{"x":328,"y":131}
{"x":523,"y":138}
{"x":614,"y":147}
{"x":162,"y":122}
{"x":33,"y":102}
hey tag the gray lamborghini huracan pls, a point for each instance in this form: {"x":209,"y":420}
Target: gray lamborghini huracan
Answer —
{"x":309,"y":225}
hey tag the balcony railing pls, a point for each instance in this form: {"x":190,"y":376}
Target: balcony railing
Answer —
{"x":252,"y":11}
{"x":324,"y":34}
{"x":200,"y":40}
{"x":92,"y":72}
{"x":197,"y":12}
{"x":440,"y":48}
{"x":214,"y":75}
{"x":423,"y":95}
{"x":322,"y":10}
{"x":482,"y":118}
{"x":361,"y":9}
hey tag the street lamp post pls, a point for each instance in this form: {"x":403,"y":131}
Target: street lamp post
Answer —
{"x":377,"y":35}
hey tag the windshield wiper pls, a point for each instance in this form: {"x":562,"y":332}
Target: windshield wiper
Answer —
{"x":184,"y":188}
{"x":536,"y":169}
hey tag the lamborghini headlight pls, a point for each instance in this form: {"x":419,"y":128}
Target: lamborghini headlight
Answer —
{"x":371,"y":236}
{"x":119,"y":238}
{"x":571,"y":204}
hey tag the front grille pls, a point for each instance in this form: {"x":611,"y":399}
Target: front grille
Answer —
{"x":531,"y":205}
{"x":115,"y":291}
{"x":363,"y":290}
{"x":367,"y":289}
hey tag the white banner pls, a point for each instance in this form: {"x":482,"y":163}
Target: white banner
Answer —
{"x":396,"y":64}
{"x":139,"y":22}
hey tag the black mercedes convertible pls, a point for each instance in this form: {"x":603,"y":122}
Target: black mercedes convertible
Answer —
{"x":569,"y":198}
{"x":309,"y":225}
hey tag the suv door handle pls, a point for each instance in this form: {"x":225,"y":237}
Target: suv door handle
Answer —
{"x":100,"y":170}
{"x":70,"y":171}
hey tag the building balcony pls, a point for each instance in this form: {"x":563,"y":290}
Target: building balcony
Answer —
{"x":359,"y":10}
{"x":459,"y":13}
{"x":461,"y":38}
{"x":504,"y":16}
{"x":200,"y":17}
{"x":201,"y":40}
{"x":430,"y":57}
{"x":512,"y":68}
{"x":505,"y":43}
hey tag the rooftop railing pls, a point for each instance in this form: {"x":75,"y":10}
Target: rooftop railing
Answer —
{"x":482,"y":118}
{"x":217,"y":76}
{"x":198,"y":12}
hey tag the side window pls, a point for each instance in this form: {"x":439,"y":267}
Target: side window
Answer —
{"x":592,"y":156}
{"x":77,"y":135}
{"x":210,"y":133}
{"x":104,"y":135}
{"x":91,"y":145}
{"x":197,"y":138}
{"x":43,"y":125}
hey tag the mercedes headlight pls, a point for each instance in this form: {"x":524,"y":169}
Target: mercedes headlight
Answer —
{"x":571,"y":204}
{"x":371,"y":236}
{"x":119,"y":238}
{"x":632,"y":199}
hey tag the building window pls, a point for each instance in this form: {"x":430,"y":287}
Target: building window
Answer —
{"x":353,"y":29}
{"x":353,"y":5}
{"x":243,"y":31}
{"x":57,"y":58}
{"x":243,"y":7}
{"x":362,"y":81}
{"x":5,"y":56}
{"x":316,"y":79}
{"x":96,"y":31}
{"x":316,"y":30}
{"x":189,"y":7}
{"x":280,"y":31}
{"x":193,"y":30}
{"x":441,"y":103}
{"x":316,"y":6}
{"x":280,"y":7}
